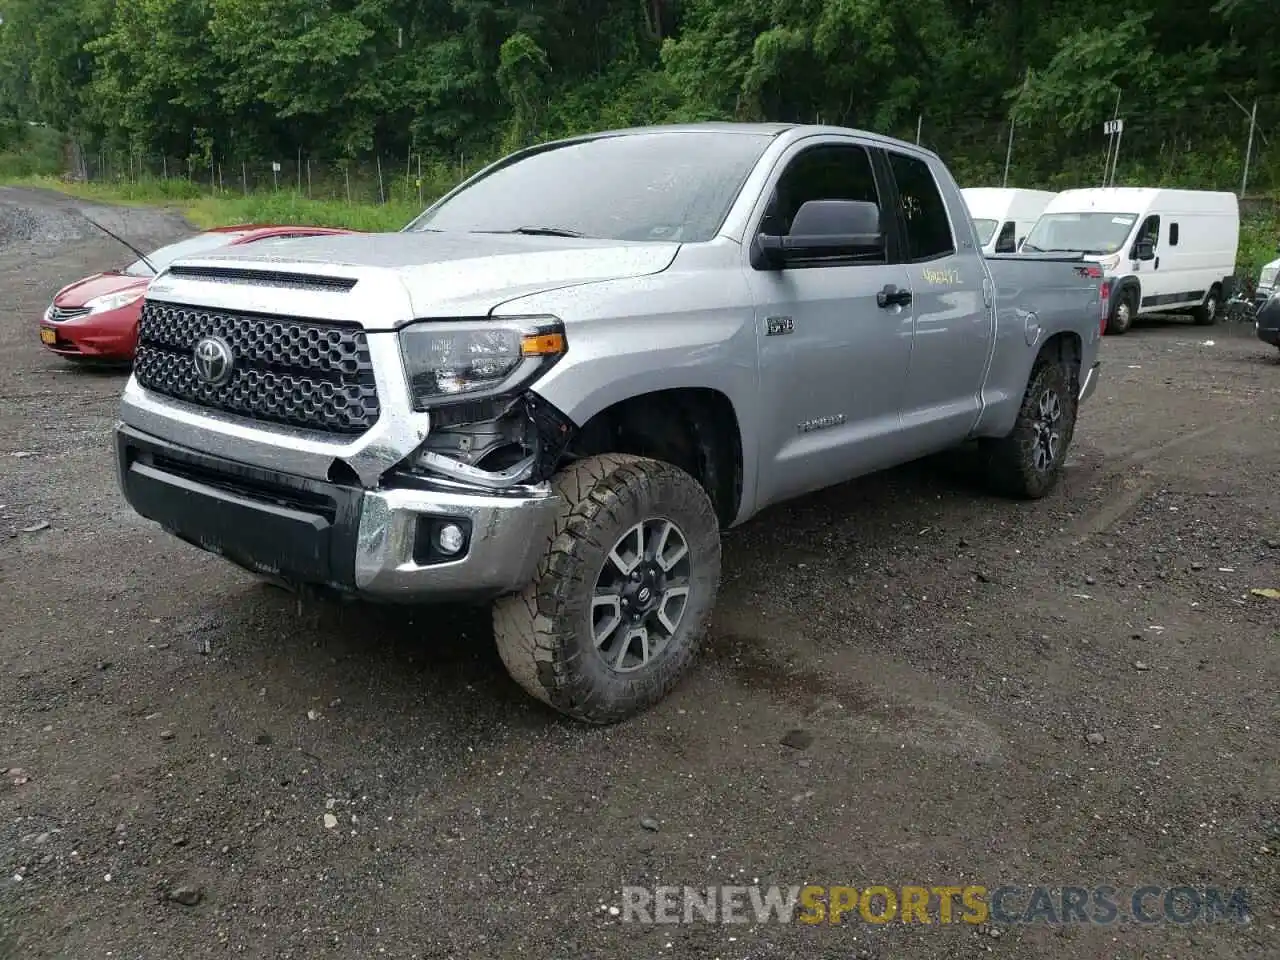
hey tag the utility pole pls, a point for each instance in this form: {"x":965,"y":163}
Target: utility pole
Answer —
{"x":1008,"y":154}
{"x":919,"y":125}
{"x":1248,"y":151}
{"x":1115,"y":129}
{"x":1110,"y":130}
{"x":1115,"y":162}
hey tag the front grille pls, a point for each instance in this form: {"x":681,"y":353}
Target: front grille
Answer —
{"x":57,"y":314}
{"x":304,"y":373}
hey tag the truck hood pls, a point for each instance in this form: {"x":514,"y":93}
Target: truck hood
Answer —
{"x":440,"y":274}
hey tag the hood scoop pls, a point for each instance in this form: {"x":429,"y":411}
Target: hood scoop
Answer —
{"x":264,"y":278}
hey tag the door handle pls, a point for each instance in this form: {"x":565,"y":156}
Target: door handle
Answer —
{"x":892,"y":296}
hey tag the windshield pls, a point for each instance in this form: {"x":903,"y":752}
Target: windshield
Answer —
{"x":653,"y":186}
{"x":183,"y":248}
{"x":985,"y":229}
{"x":1097,"y":233}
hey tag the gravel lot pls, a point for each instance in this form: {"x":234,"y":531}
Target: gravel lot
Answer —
{"x":1080,"y":691}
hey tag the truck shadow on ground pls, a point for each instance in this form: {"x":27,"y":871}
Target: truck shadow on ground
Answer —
{"x":405,"y":658}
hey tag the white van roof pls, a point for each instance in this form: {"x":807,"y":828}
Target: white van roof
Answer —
{"x":998,"y":203}
{"x":1138,"y":200}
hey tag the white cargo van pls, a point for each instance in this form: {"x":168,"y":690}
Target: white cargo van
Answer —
{"x":1004,"y":216}
{"x":1161,"y":251}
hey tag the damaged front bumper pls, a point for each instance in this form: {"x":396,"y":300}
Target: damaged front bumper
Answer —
{"x":448,"y":503}
{"x":383,"y":544}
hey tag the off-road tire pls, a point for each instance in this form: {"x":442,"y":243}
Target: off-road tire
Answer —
{"x":544,"y":633}
{"x":1010,"y":460}
{"x":1120,"y":321}
{"x":1206,"y":315}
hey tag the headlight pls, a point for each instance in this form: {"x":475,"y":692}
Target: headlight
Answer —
{"x":1268,"y":276}
{"x":113,"y":301}
{"x":1110,"y":263}
{"x":447,"y":360}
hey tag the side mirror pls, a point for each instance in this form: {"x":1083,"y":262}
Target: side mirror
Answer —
{"x":1144,"y":250}
{"x":823,"y":229}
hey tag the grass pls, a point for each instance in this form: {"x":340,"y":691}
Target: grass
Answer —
{"x":292,"y":208}
{"x":207,"y":210}
{"x":1259,"y":236}
{"x":27,"y":151}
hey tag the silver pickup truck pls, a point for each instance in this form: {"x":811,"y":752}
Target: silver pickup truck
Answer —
{"x":555,"y":388}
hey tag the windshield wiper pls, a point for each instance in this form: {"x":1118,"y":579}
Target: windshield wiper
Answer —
{"x":1032,"y":247}
{"x":141,"y":256}
{"x":540,"y":232}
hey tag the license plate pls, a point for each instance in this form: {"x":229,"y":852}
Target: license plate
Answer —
{"x":48,"y":335}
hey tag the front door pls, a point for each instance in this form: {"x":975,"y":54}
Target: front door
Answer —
{"x":954,"y":312}
{"x":1154,"y":283}
{"x":1007,"y":241}
{"x":833,"y":361}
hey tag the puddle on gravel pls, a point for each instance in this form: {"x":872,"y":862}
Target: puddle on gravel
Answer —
{"x":844,"y":710}
{"x":800,"y":687}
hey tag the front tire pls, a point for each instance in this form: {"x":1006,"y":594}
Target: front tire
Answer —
{"x":1206,"y":315}
{"x":1027,"y":464}
{"x":1122,"y":314}
{"x":621,"y":600}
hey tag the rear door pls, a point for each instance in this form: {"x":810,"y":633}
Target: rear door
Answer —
{"x":954,"y":316}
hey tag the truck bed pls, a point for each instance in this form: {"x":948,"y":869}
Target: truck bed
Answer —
{"x":1060,"y":256}
{"x":1045,"y":284}
{"x":1034,"y":293}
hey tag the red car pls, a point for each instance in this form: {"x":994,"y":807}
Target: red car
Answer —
{"x":96,"y":319}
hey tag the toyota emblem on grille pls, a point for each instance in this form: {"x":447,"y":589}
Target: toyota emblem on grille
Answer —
{"x":213,"y":361}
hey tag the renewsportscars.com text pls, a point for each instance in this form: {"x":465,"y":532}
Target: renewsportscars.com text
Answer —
{"x":936,"y":905}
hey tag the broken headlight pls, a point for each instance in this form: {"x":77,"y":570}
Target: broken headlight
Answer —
{"x":447,"y":361}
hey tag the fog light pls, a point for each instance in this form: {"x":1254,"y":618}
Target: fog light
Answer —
{"x":451,"y":538}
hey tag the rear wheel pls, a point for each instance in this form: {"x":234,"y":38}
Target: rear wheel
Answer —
{"x":621,"y":600}
{"x":1027,"y":463}
{"x":1207,"y":313}
{"x":1122,"y":313}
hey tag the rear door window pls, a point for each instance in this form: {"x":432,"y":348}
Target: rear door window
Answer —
{"x":923,"y":209}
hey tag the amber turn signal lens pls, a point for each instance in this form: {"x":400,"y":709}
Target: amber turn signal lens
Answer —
{"x":542,"y":344}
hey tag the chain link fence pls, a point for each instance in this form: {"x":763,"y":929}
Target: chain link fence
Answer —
{"x":1226,"y":145}
{"x":379,"y":178}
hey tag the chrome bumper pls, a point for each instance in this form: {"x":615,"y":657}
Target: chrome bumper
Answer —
{"x":379,"y":544}
{"x":507,"y":537}
{"x":1090,"y":382}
